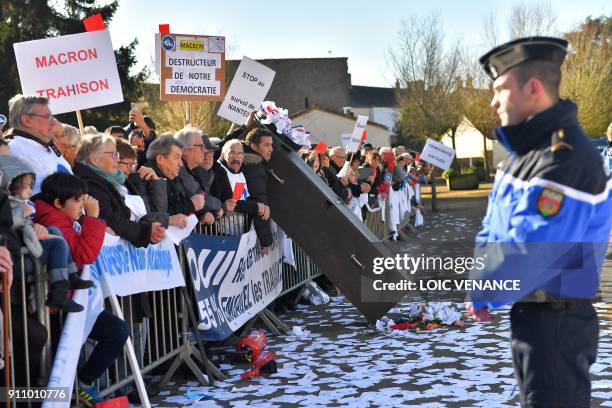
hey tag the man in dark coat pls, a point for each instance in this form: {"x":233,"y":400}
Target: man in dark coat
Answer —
{"x":195,"y":179}
{"x":165,"y":158}
{"x":228,"y":174}
{"x":547,"y":226}
{"x":257,"y":152}
{"x":338,"y":185}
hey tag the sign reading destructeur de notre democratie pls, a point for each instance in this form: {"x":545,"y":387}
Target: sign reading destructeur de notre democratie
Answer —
{"x":192,"y":67}
{"x":77,"y":71}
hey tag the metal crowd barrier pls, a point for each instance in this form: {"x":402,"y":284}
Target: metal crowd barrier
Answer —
{"x":374,"y":221}
{"x":157,"y":340}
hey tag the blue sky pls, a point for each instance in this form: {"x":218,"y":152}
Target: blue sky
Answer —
{"x":363,"y":31}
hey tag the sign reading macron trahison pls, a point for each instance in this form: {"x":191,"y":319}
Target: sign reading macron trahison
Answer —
{"x":437,"y":154}
{"x":77,"y":71}
{"x":192,"y":68}
{"x":247,"y":91}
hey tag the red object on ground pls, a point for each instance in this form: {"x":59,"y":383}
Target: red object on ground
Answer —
{"x":94,"y":23}
{"x":121,"y":402}
{"x":264,"y":364}
{"x":405,"y":325}
{"x":238,"y":191}
{"x":164,"y":28}
{"x":363,"y":136}
{"x":252,"y":345}
{"x":321,"y":147}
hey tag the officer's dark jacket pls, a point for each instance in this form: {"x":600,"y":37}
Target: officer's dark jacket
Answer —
{"x":254,"y":168}
{"x":550,"y":193}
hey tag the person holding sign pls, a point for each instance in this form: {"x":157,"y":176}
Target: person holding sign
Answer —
{"x":32,"y":124}
{"x":337,"y":158}
{"x":258,"y":151}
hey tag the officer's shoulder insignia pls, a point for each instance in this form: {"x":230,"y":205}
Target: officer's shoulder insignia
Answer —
{"x":558,"y":142}
{"x":549,"y":202}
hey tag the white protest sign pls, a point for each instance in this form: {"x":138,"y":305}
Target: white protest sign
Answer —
{"x":345,"y":139}
{"x":357,"y":134}
{"x":437,"y":154}
{"x":192,"y":68}
{"x":247,"y":91}
{"x":77,"y":71}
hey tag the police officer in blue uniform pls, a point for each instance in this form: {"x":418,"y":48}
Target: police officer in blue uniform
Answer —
{"x":547,"y":225}
{"x":606,"y":153}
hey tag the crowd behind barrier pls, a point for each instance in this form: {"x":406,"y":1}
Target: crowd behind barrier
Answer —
{"x":158,"y":340}
{"x":145,"y":189}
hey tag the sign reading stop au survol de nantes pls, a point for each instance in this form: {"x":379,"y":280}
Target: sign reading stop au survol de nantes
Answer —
{"x":192,"y":68}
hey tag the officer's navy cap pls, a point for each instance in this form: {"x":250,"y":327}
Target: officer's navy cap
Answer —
{"x":506,"y":56}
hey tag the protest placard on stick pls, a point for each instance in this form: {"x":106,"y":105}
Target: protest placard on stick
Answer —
{"x":247,"y":91}
{"x":437,"y":154}
{"x":192,"y":67}
{"x":77,"y":71}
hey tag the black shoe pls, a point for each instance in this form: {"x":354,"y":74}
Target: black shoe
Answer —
{"x":68,"y":305}
{"x":77,"y":283}
{"x":58,"y":297}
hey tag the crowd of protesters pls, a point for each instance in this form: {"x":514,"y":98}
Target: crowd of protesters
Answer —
{"x":62,"y":190}
{"x":370,"y":180}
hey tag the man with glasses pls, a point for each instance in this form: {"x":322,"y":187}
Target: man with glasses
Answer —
{"x":32,"y":124}
{"x":337,"y":157}
{"x":165,"y":158}
{"x":193,"y":176}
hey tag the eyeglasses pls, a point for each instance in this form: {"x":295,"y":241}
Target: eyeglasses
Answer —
{"x":236,"y":154}
{"x":130,"y":165}
{"x":198,"y":145}
{"x":115,"y":154}
{"x":208,"y":153}
{"x":50,"y":118}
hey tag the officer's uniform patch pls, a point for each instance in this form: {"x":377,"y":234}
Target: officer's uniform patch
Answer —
{"x":549,"y":202}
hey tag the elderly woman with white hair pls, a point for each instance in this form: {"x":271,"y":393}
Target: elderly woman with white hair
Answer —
{"x":97,"y":164}
{"x":70,"y":143}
